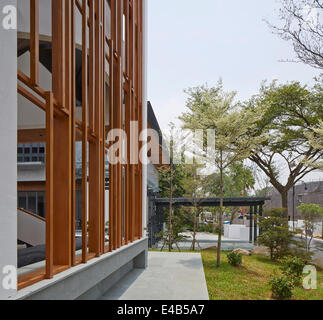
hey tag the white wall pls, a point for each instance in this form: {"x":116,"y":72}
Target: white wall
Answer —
{"x":144,"y":102}
{"x":8,"y":147}
{"x":30,"y":229}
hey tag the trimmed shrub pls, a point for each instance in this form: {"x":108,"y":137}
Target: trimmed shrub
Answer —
{"x":281,"y":287}
{"x":292,"y":268}
{"x":275,"y":233}
{"x":235,"y":259}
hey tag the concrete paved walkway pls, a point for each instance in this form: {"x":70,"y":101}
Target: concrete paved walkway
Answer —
{"x":206,"y":240}
{"x":169,"y":276}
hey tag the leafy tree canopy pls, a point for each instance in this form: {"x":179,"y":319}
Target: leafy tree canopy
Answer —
{"x":292,"y":110}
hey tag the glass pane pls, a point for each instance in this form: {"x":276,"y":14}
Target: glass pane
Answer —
{"x":32,"y":202}
{"x":22,"y":200}
{"x":41,"y":204}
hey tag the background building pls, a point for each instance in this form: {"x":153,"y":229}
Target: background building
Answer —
{"x":311,"y":192}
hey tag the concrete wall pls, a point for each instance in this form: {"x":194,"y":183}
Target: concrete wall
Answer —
{"x":92,"y":280}
{"x":31,"y":172}
{"x":8,"y":147}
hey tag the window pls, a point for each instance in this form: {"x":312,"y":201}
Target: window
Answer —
{"x":22,"y":200}
{"x":32,"y":152}
{"x":33,"y":201}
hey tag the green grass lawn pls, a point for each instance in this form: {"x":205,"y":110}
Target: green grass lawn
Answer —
{"x":248,"y":282}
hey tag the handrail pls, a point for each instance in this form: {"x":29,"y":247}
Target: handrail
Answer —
{"x":32,"y":214}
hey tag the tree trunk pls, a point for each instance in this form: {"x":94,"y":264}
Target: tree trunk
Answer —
{"x":284,"y":197}
{"x":194,"y":231}
{"x":232,"y":217}
{"x":170,"y":231}
{"x":221,"y":212}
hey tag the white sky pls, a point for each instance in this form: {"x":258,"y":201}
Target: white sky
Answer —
{"x":195,"y":42}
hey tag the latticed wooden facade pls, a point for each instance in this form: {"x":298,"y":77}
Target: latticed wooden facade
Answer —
{"x":94,"y":52}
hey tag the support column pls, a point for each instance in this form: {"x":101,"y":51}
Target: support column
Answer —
{"x":251,"y":224}
{"x":260,"y":215}
{"x":255,"y":235}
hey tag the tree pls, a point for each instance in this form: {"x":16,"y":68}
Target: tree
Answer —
{"x":291,"y":112}
{"x":195,"y":190}
{"x":275,"y":232}
{"x":171,"y":186}
{"x":238,"y":180}
{"x":302,"y":26}
{"x":316,"y":141}
{"x":311,"y":213}
{"x":230,"y":139}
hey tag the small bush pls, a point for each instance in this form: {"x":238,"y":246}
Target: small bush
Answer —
{"x":281,"y":287}
{"x":235,"y":259}
{"x":293,"y":267}
{"x":302,"y":254}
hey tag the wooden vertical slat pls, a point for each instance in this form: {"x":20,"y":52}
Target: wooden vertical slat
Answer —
{"x":127,"y":89}
{"x":92,"y":206}
{"x":84,"y":128}
{"x":49,"y":184}
{"x":114,"y":109}
{"x":127,"y":166}
{"x":101,"y":135}
{"x":71,"y":105}
{"x":91,"y":65}
{"x":120,"y":115}
{"x":112,"y":228}
{"x":58,"y":56}
{"x":62,"y":138}
{"x":95,"y":154}
{"x":136,"y":87}
{"x":140,"y":93}
{"x":34,"y":42}
{"x":103,"y":122}
{"x":132,"y":117}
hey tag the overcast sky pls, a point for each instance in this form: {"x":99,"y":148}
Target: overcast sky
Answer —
{"x":195,"y":42}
